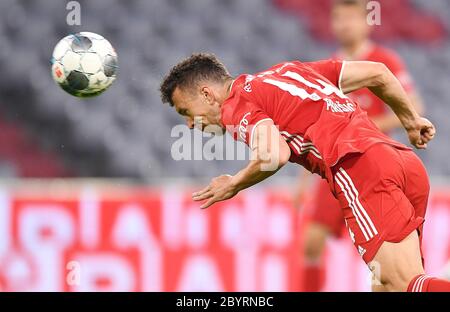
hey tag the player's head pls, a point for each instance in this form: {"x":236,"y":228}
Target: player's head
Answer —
{"x":197,"y":87}
{"x":349,"y":21}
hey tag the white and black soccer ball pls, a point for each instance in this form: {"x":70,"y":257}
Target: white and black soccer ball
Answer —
{"x":84,"y":64}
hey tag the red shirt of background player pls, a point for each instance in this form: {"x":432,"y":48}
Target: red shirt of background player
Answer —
{"x":368,"y":101}
{"x":320,"y":124}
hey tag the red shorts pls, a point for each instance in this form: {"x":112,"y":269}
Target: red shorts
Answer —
{"x":326,"y":210}
{"x":383,"y":194}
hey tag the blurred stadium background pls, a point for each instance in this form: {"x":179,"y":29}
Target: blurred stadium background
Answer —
{"x":90,"y":198}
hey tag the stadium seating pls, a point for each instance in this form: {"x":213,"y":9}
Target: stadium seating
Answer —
{"x":127,"y":131}
{"x":393,"y":16}
{"x":20,"y":156}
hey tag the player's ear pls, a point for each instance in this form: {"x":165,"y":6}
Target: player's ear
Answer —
{"x":207,"y":95}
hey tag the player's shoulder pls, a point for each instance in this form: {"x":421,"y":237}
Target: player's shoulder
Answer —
{"x":247,"y":87}
{"x":236,"y":99}
{"x":282,"y":67}
{"x":240,"y":88}
{"x":384,"y":54}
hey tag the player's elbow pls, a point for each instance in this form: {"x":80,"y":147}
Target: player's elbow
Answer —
{"x":380,"y":74}
{"x":275,"y":158}
{"x":284,"y":155}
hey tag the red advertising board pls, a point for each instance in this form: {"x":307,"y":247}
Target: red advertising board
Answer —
{"x":135,"y":239}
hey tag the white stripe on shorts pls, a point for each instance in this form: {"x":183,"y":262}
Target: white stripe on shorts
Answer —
{"x":352,"y":195}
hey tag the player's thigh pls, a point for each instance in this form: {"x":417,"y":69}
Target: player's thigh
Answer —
{"x":396,"y":264}
{"x":417,"y":186}
{"x":373,"y":199}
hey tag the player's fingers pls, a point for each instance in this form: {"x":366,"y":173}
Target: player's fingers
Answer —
{"x":430,"y":132}
{"x":421,"y":145}
{"x":203,"y":196}
{"x":433,"y":131}
{"x":208,"y":203}
{"x":415,"y":142}
{"x":206,"y":189}
{"x":428,"y":136}
{"x":418,"y":140}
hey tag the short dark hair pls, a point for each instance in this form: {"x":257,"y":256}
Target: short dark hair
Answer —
{"x":358,"y":3}
{"x":189,"y":72}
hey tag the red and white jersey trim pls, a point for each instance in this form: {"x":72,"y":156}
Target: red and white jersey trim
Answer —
{"x":418,"y":285}
{"x":352,"y":195}
{"x":299,"y":144}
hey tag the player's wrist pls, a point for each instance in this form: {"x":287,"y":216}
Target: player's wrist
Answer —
{"x":410,"y":121}
{"x":234,"y":184}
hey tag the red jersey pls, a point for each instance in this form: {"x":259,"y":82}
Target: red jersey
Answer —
{"x":320,"y":123}
{"x":368,"y":101}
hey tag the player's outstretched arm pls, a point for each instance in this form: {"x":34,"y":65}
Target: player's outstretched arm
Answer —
{"x":380,"y":80}
{"x":270,"y":152}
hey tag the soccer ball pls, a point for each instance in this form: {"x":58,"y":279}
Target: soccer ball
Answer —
{"x":84,"y":64}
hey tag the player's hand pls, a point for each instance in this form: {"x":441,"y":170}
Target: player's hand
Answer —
{"x":219,"y":189}
{"x":421,"y":132}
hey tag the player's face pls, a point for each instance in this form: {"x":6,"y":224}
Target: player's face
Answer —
{"x":199,"y":109}
{"x":349,"y":24}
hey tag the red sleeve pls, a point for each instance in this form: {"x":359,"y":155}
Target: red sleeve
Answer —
{"x":398,"y":68}
{"x":330,"y":69}
{"x":242,"y":119}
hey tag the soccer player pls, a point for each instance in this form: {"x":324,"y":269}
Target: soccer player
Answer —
{"x":299,"y":112}
{"x":352,"y":32}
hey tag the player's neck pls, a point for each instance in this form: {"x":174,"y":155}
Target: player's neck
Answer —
{"x":229,"y":86}
{"x":225,"y":93}
{"x":356,"y":51}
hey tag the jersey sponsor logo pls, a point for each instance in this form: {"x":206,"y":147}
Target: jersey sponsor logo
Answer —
{"x":365,"y":101}
{"x":247,"y":85}
{"x":337,"y":107}
{"x":243,"y":125}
